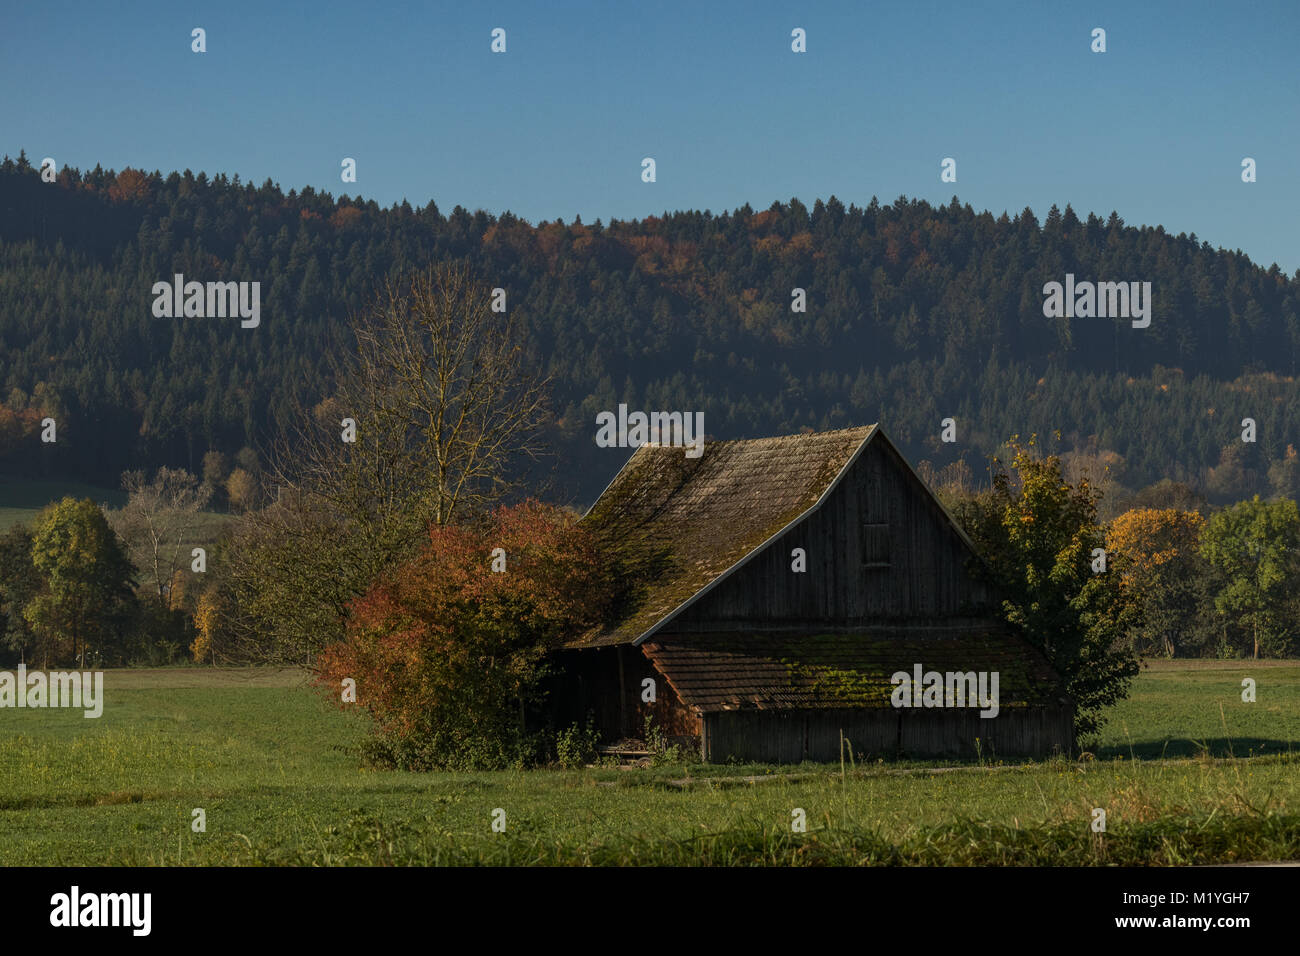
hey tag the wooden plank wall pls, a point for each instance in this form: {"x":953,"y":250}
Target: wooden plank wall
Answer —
{"x":773,"y":736}
{"x":927,"y":579}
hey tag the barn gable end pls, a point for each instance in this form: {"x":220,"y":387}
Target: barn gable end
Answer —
{"x":878,"y":548}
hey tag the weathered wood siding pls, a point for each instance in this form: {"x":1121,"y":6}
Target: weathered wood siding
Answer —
{"x":775,"y":736}
{"x":878,"y":500}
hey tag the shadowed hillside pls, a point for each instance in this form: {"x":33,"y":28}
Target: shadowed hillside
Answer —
{"x":914,"y":314}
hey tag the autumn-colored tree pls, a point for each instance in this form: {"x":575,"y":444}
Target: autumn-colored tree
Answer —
{"x":20,"y":422}
{"x":88,"y":593}
{"x":447,"y":649}
{"x":207,"y":618}
{"x":1166,"y":494}
{"x":1255,"y":544}
{"x":216,"y":468}
{"x":1156,"y":555}
{"x":952,"y":483}
{"x":130,"y":184}
{"x":1037,"y":534}
{"x":241,"y":490}
{"x":16,"y":426}
{"x":1284,"y":474}
{"x":1237,"y":471}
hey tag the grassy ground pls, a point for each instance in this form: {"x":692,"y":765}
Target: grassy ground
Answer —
{"x":274,"y":768}
{"x":21,"y":500}
{"x":1182,"y":708}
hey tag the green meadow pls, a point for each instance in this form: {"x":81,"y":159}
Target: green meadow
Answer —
{"x":22,"y":500}
{"x":1186,"y":773}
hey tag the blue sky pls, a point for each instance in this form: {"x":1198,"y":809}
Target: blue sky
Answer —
{"x":1155,"y":128}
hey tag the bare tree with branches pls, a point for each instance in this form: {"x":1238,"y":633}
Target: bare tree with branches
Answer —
{"x":442,"y":404}
{"x":157,"y":524}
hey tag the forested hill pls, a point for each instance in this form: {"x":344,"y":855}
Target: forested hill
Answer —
{"x":914,"y":313}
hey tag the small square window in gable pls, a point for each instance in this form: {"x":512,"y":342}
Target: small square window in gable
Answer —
{"x":875,"y":545}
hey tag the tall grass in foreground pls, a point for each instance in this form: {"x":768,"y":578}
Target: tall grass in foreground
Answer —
{"x":277,"y":772}
{"x":1213,"y":839}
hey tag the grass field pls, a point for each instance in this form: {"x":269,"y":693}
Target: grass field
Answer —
{"x":22,"y":500}
{"x":274,"y":767}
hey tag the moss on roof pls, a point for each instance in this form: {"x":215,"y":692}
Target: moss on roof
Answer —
{"x":675,"y":524}
{"x":819,"y":671}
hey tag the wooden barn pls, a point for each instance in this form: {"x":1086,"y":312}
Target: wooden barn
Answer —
{"x":781,"y":584}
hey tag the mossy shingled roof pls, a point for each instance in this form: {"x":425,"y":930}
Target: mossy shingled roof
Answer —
{"x":676,"y":524}
{"x":766,"y":671}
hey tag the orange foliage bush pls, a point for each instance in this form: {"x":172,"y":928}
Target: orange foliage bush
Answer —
{"x":447,"y":652}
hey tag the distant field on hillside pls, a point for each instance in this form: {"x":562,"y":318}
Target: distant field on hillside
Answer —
{"x":22,"y":499}
{"x":275,"y":769}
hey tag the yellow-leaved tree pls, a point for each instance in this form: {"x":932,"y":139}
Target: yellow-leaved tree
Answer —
{"x":207,"y":616}
{"x":1156,"y":554}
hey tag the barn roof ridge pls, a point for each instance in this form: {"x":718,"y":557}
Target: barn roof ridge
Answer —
{"x":868,"y":432}
{"x":646,"y":494}
{"x":666,"y":513}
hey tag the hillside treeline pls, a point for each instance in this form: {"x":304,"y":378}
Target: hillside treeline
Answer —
{"x":915,"y":313}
